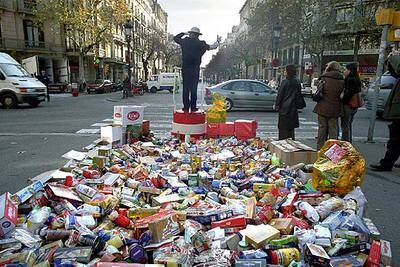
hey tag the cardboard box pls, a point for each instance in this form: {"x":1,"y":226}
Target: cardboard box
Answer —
{"x":245,"y":129}
{"x":374,"y":257}
{"x":111,"y":134}
{"x":316,"y":255}
{"x":227,"y":129}
{"x":238,"y":221}
{"x":284,"y":225}
{"x":258,"y":235}
{"x":386,"y":253}
{"x":213,"y":130}
{"x":293,"y":152}
{"x":128,"y":115}
{"x":8,"y":214}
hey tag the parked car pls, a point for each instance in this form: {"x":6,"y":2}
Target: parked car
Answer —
{"x":314,"y":85}
{"x":100,"y":87}
{"x":244,"y":94}
{"x":17,"y":86}
{"x":306,"y":89}
{"x":386,"y":85}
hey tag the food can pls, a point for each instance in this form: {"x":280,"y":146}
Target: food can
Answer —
{"x":137,"y":254}
{"x":284,"y":256}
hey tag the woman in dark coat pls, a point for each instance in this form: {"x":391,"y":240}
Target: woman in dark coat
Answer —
{"x":289,"y":91}
{"x":330,"y":108}
{"x":352,"y":86}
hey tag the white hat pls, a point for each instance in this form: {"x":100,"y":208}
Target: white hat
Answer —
{"x":195,"y":30}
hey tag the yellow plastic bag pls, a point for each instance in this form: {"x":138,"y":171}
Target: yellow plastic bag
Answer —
{"x":339,"y":168}
{"x":217,"y":113}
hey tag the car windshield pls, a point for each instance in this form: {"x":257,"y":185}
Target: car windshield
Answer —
{"x":98,"y":82}
{"x":12,"y":70}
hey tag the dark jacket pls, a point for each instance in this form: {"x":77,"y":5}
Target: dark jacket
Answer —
{"x":288,"y":92}
{"x":192,"y":50}
{"x":331,"y":105}
{"x":392,"y":107}
{"x":352,"y":86}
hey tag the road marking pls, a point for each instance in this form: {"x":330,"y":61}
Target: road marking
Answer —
{"x":100,"y":124}
{"x":44,"y":134}
{"x":109,"y":120}
{"x":88,"y":131}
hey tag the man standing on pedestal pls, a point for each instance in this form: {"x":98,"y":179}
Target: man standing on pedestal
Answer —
{"x":192,"y":51}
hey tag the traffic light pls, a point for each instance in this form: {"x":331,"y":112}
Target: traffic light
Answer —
{"x":97,"y":63}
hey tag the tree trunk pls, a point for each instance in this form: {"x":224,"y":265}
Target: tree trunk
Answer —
{"x":247,"y":71}
{"x":145,"y":69}
{"x":357,"y":41}
{"x":81,"y":68}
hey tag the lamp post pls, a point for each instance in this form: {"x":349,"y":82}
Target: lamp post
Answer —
{"x":276,"y":36}
{"x":128,"y":27}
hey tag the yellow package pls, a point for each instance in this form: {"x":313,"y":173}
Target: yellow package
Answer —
{"x":339,"y":168}
{"x":217,"y":113}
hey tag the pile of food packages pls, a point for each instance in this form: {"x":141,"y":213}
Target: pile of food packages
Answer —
{"x":210,"y":202}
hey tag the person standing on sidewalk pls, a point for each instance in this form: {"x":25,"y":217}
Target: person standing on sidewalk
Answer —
{"x":192,"y":51}
{"x":352,"y":86}
{"x":289,"y":93}
{"x":330,"y":107}
{"x":45,"y":80}
{"x":392,"y":112}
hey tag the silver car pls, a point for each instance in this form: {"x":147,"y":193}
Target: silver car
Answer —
{"x":387,"y":83}
{"x":244,"y":94}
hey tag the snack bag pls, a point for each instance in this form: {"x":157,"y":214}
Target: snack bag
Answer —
{"x":217,"y":113}
{"x":338,"y":173}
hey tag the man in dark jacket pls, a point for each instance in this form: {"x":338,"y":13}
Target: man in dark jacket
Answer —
{"x":192,"y":51}
{"x":392,"y":112}
{"x":45,"y":80}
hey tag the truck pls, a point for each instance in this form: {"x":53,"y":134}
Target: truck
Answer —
{"x":164,"y":81}
{"x":17,"y":86}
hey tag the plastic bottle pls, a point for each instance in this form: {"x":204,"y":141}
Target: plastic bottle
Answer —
{"x":308,"y":211}
{"x":275,"y":161}
{"x":37,"y":218}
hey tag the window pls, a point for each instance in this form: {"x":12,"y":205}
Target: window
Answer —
{"x":259,"y":88}
{"x":344,"y":15}
{"x":297,"y":55}
{"x":34,"y":36}
{"x":290,"y":55}
{"x":240,"y":86}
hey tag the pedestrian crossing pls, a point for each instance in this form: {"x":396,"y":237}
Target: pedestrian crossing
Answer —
{"x":160,"y":117}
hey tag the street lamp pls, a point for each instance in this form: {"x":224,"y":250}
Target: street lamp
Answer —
{"x":128,"y":28}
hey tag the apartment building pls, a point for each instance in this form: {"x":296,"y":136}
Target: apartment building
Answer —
{"x":36,"y":48}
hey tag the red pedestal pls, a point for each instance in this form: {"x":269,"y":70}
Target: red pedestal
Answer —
{"x":245,"y":129}
{"x":187,"y":123}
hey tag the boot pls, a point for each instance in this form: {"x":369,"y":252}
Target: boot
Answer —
{"x":381,"y":167}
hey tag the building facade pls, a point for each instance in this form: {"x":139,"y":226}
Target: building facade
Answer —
{"x":48,"y":49}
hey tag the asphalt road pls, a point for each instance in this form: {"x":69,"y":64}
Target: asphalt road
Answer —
{"x":32,"y":141}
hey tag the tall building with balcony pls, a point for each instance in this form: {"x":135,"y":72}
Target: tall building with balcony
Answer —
{"x":37,"y":48}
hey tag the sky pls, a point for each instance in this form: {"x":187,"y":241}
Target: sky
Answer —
{"x":213,"y":17}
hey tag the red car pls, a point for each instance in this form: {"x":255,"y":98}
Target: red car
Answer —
{"x":100,"y":87}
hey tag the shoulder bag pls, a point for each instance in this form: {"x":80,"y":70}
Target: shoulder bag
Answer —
{"x":319,"y":94}
{"x":356,"y":101}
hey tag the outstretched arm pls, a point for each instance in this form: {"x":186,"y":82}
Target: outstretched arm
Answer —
{"x":178,"y":38}
{"x":216,"y":44}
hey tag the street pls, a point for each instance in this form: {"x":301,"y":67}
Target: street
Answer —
{"x":32,"y":141}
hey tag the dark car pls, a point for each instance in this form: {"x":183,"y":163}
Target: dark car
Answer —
{"x":100,"y":87}
{"x":386,"y":85}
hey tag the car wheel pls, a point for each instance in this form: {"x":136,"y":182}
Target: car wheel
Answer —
{"x":141,"y":92}
{"x":34,"y":103}
{"x":228,"y":104}
{"x":153,"y":90}
{"x":171,"y":91}
{"x":9,"y":101}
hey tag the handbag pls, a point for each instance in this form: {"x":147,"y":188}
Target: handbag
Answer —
{"x":300,"y":102}
{"x":319,"y":94}
{"x":356,"y":101}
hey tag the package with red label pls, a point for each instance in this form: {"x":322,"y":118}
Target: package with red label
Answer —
{"x":336,"y":153}
{"x":128,"y":115}
{"x":227,"y":129}
{"x":8,"y":214}
{"x":245,"y":129}
{"x":213,"y":130}
{"x":146,"y":128}
{"x":238,"y":221}
{"x":386,"y":253}
{"x":374,"y":257}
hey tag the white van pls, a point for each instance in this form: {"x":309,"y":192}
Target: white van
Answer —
{"x":17,"y":86}
{"x":163,"y":81}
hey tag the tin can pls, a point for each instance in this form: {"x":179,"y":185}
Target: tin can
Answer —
{"x":284,"y":256}
{"x":137,"y":254}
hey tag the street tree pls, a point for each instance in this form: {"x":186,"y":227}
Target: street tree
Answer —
{"x":87,"y":23}
{"x":172,"y":55}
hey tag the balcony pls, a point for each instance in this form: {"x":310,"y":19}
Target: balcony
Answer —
{"x":26,"y":6}
{"x":3,"y":3}
{"x":25,"y":45}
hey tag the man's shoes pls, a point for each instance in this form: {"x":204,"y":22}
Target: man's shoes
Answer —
{"x":185,"y":110}
{"x":397,"y":166}
{"x":380,"y":167}
{"x":194,"y":109}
